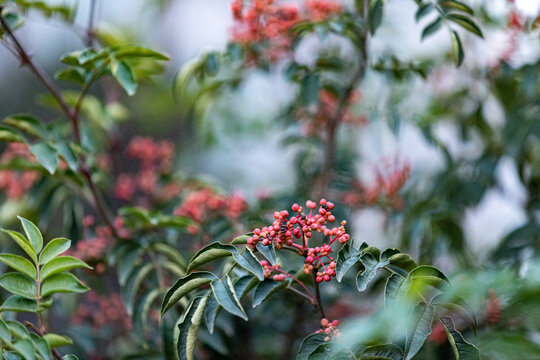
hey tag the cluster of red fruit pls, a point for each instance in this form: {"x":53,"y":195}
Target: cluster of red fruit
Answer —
{"x":389,"y":179}
{"x":285,"y":230}
{"x":330,"y":329}
{"x":101,"y":311}
{"x":266,"y":22}
{"x":203,"y":204}
{"x":16,"y":183}
{"x":155,"y":159}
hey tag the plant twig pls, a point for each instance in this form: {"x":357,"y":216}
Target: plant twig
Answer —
{"x":318,"y":302}
{"x":42,"y":333}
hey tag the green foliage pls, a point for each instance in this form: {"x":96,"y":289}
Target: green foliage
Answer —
{"x":32,"y":285}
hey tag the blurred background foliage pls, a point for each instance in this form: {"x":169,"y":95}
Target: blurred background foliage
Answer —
{"x":440,"y":161}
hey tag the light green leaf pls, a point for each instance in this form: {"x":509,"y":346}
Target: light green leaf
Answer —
{"x":241,"y":240}
{"x":209,"y":253}
{"x":184,"y":286}
{"x":19,"y":304}
{"x":401,"y":263}
{"x":457,"y":48}
{"x":26,"y":348}
{"x":428,"y":275}
{"x":396,"y":288}
{"x":60,"y":264}
{"x":56,"y":341}
{"x":20,"y":264}
{"x":42,"y":347}
{"x":140,"y":311}
{"x":62,"y":283}
{"x":171,"y":252}
{"x":189,"y":326}
{"x":226,"y":297}
{"x":67,"y":153}
{"x":138,"y":52}
{"x":123,"y":74}
{"x":23,"y":243}
{"x":420,"y":328}
{"x":456,"y":5}
{"x":54,"y":248}
{"x":32,"y":234}
{"x":19,"y":284}
{"x":462,"y":349}
{"x":5,"y":334}
{"x":46,"y":156}
{"x":17,"y":329}
{"x":466,"y":23}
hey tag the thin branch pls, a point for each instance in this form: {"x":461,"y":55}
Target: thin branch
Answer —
{"x":41,"y":333}
{"x":90,"y":34}
{"x":318,"y":302}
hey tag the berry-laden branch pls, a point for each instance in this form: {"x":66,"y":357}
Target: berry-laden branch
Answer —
{"x":71,"y":113}
{"x":283,"y":233}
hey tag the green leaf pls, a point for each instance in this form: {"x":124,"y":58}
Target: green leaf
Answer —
{"x":264,"y":289}
{"x":348,"y":256}
{"x":17,"y":329}
{"x":401,"y":263}
{"x":140,"y":311}
{"x":54,"y":248}
{"x":9,"y":135}
{"x":138,"y":52}
{"x":226,"y":297}
{"x":60,"y":264}
{"x":428,"y":275}
{"x":309,"y":345}
{"x":62,"y":283}
{"x":11,"y":355}
{"x":396,"y":288}
{"x":423,"y":10}
{"x":79,"y":57}
{"x":19,"y":284}
{"x":432,"y":27}
{"x":371,"y":265}
{"x":189,"y":326}
{"x":70,"y":357}
{"x":19,"y":304}
{"x":23,"y":243}
{"x":67,"y":153}
{"x":128,"y":259}
{"x":241,"y":240}
{"x":268,"y":251}
{"x":26,"y":348}
{"x":462,"y":349}
{"x":209,"y":253}
{"x":76,"y":75}
{"x":380,"y":352}
{"x":56,"y":341}
{"x":456,"y":305}
{"x":46,"y":156}
{"x":5,"y":334}
{"x":123,"y":74}
{"x":465,"y":22}
{"x":32,"y":234}
{"x":457,"y":48}
{"x":249,"y":262}
{"x":133,"y":282}
{"x":376,"y":8}
{"x":20,"y":264}
{"x":456,"y":5}
{"x":184,"y":286}
{"x":171,"y":252}
{"x":419,"y":330}
{"x":27,"y":124}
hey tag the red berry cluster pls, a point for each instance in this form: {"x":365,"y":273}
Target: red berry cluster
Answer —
{"x":330,"y":329}
{"x":268,"y":23}
{"x":269,"y":270}
{"x":389,"y":179}
{"x":101,"y":311}
{"x":205,"y":203}
{"x":155,"y":159}
{"x":16,"y":183}
{"x":286,"y":229}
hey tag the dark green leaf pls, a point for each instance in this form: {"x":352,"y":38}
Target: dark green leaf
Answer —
{"x":419,"y":329}
{"x":46,"y":156}
{"x":268,"y":251}
{"x":309,"y":345}
{"x":371,"y":265}
{"x":184,"y":286}
{"x":189,"y":326}
{"x":226,"y":297}
{"x":462,"y":349}
{"x":456,"y":5}
{"x":376,"y":8}
{"x":26,"y":348}
{"x":123,"y":74}
{"x":133,"y":282}
{"x":380,"y":352}
{"x":264,"y":289}
{"x":5,"y":334}
{"x":209,"y":253}
{"x":432,"y":28}
{"x":23,"y":243}
{"x":457,"y":48}
{"x":466,"y":23}
{"x":423,"y":10}
{"x":347,"y":257}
